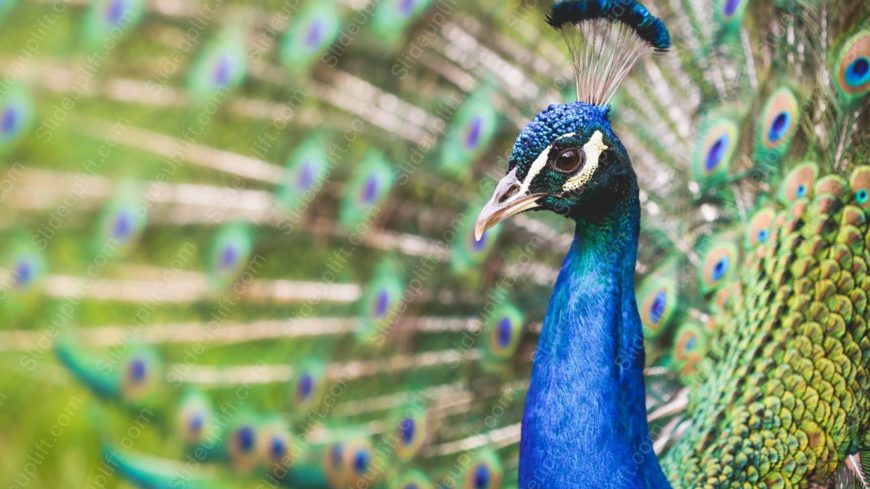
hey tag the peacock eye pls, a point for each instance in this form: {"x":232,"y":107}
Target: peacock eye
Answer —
{"x":568,"y":161}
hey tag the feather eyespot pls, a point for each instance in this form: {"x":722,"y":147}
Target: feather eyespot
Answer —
{"x":275,"y":446}
{"x":690,"y":346}
{"x":137,"y":370}
{"x":314,"y":34}
{"x":657,"y":308}
{"x":194,"y":417}
{"x":411,"y":432}
{"x":406,"y":7}
{"x":305,"y":387}
{"x":245,"y":443}
{"x":195,"y":424}
{"x":23,"y":274}
{"x":718,"y":265}
{"x":860,"y":185}
{"x":568,"y":160}
{"x":359,"y":460}
{"x":730,"y":7}
{"x":780,"y":119}
{"x":369,"y":191}
{"x":473,"y":132}
{"x":140,"y":375}
{"x":305,"y":179}
{"x":16,"y":116}
{"x":799,"y":183}
{"x":657,"y":301}
{"x":10,"y":121}
{"x":503,"y":332}
{"x":714,"y":149}
{"x":27,"y":269}
{"x":481,"y":477}
{"x":406,"y":431}
{"x":759,"y":228}
{"x":245,"y":439}
{"x":503,"y":329}
{"x":115,"y":11}
{"x":853,"y":67}
{"x":730,"y":12}
{"x":484,"y":472}
{"x":121,"y":223}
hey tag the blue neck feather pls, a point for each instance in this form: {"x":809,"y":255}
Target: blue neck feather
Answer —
{"x":584,"y":424}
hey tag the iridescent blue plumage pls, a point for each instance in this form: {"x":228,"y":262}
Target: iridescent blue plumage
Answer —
{"x":582,"y":425}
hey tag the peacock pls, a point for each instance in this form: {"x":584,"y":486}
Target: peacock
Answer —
{"x":268,"y":244}
{"x":783,"y":400}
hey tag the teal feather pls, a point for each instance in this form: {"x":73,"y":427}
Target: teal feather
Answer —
{"x":219,"y":68}
{"x":380,"y":304}
{"x":103,"y":380}
{"x":16,"y":116}
{"x":306,"y":170}
{"x":107,"y":20}
{"x":852,"y":68}
{"x":501,"y":335}
{"x":307,"y":387}
{"x":134,"y":379}
{"x":393,"y":17}
{"x":229,"y":255}
{"x":26,"y":270}
{"x":153,"y":473}
{"x":196,"y":420}
{"x":778,"y":122}
{"x":366,"y":192}
{"x":311,"y":32}
{"x":471,"y":131}
{"x":730,"y":13}
{"x":121,"y":223}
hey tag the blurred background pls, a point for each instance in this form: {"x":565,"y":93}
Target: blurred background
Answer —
{"x":236,"y":237}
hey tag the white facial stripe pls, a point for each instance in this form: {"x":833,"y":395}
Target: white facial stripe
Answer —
{"x":593,"y":149}
{"x":539,"y":164}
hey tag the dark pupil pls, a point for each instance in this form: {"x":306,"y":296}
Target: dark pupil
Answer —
{"x":568,"y":160}
{"x":860,"y":66}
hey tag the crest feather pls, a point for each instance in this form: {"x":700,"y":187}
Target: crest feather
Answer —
{"x":606,"y":38}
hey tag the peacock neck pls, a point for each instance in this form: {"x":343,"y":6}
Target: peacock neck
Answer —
{"x":584,"y":423}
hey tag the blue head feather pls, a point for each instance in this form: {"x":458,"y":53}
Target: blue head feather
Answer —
{"x":554,"y":121}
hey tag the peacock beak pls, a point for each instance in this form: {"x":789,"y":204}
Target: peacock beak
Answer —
{"x":507,"y":200}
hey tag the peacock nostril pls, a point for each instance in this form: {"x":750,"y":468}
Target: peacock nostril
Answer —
{"x":508,"y":193}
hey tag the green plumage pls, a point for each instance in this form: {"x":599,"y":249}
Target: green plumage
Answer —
{"x":791,"y":382}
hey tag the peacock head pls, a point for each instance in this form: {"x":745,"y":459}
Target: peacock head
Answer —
{"x":567,"y":160}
